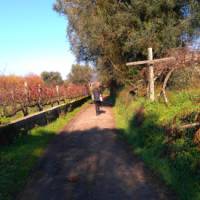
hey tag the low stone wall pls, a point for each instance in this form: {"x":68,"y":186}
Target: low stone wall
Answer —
{"x":12,"y":130}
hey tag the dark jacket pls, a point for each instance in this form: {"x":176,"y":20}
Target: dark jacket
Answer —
{"x":96,"y":94}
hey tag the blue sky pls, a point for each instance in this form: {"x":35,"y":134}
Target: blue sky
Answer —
{"x":33,"y":38}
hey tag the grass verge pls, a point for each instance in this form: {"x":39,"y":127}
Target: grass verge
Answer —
{"x":177,"y":163}
{"x":17,"y":159}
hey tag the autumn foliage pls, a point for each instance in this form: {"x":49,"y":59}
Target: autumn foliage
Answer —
{"x":20,"y":93}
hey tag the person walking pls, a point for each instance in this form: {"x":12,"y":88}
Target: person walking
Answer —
{"x":97,"y":98}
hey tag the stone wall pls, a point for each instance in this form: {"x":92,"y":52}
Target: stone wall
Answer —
{"x":22,"y":126}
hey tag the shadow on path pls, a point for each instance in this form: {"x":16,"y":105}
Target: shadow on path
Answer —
{"x":92,"y":164}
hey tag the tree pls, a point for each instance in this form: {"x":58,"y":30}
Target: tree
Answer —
{"x":80,"y":74}
{"x":52,"y":78}
{"x":110,"y":33}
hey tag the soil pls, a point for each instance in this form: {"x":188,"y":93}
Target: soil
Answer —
{"x":88,"y":161}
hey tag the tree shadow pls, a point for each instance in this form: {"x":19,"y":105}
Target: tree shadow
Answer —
{"x":92,"y":164}
{"x":17,"y":159}
{"x":110,"y":100}
{"x":167,"y":157}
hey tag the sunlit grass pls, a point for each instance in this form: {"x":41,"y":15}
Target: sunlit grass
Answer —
{"x":178,"y":163}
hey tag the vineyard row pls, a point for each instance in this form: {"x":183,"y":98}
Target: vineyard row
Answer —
{"x":18,"y":94}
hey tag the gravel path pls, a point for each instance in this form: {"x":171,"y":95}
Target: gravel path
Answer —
{"x":87,"y":161}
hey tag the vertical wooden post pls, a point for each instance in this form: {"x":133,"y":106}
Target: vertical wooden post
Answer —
{"x":26,"y":88}
{"x":57,"y":90}
{"x":40,"y":108}
{"x":151,"y":76}
{"x":25,"y":103}
{"x":58,"y":94}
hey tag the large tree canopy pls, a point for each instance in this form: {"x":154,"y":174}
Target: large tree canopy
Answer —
{"x":110,"y":33}
{"x":52,"y":78}
{"x":80,"y":74}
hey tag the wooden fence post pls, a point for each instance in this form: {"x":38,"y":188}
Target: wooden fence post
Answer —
{"x":40,"y":106}
{"x":25,"y":103}
{"x":151,"y":76}
{"x":58,"y":94}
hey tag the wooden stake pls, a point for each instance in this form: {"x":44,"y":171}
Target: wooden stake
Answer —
{"x":160,"y":60}
{"x":150,"y":62}
{"x":151,"y":76}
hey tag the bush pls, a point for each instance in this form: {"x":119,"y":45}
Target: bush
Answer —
{"x":185,"y":78}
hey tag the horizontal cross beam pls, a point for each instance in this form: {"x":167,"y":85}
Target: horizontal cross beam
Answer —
{"x":151,"y":61}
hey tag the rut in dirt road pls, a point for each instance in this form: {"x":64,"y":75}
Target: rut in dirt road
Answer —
{"x":88,"y":162}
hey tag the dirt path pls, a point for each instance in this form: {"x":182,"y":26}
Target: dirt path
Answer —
{"x":87,"y":162}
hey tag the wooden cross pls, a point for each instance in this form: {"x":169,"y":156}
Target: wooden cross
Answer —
{"x":150,"y":63}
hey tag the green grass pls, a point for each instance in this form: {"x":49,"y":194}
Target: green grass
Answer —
{"x":177,"y":163}
{"x":17,"y":160}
